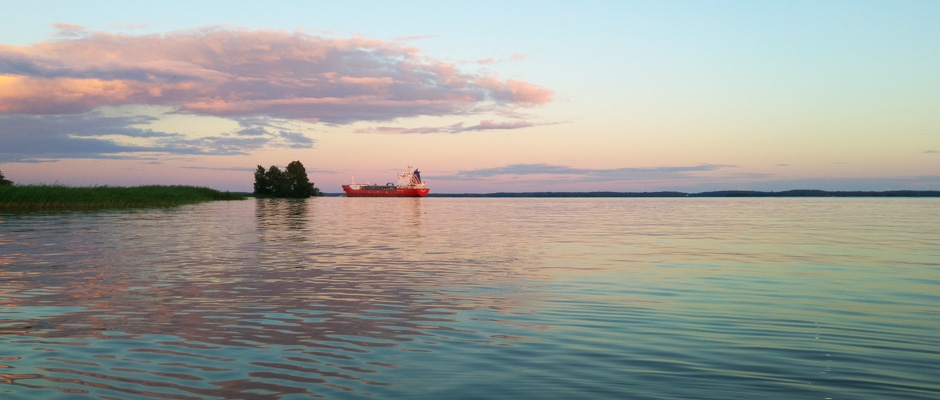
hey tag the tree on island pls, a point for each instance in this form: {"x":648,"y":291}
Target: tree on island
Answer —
{"x":262,"y":185}
{"x":4,"y":181}
{"x":292,"y":182}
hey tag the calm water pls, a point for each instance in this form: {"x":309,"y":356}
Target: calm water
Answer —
{"x":442,"y":298}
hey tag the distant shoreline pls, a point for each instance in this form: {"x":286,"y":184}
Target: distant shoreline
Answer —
{"x":720,"y":193}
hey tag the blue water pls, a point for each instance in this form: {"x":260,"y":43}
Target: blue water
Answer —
{"x":474,"y":298}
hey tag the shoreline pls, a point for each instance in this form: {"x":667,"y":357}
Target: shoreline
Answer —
{"x":55,"y":197}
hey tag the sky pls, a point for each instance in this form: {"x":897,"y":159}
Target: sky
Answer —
{"x":482,"y":96}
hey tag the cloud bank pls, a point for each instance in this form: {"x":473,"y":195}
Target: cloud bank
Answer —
{"x":693,"y":178}
{"x":590,"y":175}
{"x":50,"y":92}
{"x":223,"y":71}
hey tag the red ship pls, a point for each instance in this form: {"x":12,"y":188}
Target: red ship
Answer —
{"x":409,"y":185}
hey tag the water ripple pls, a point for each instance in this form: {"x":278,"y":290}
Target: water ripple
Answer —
{"x":474,"y":298}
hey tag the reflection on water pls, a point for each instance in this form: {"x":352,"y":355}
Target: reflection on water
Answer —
{"x":474,"y":298}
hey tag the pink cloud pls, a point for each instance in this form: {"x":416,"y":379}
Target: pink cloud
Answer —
{"x":515,"y":92}
{"x":235,"y":72}
{"x":28,"y":95}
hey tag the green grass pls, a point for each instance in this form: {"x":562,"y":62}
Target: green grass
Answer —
{"x":57,"y":197}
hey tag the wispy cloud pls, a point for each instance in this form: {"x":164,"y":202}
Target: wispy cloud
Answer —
{"x":590,"y":175}
{"x":931,"y":152}
{"x":295,"y":140}
{"x":456,"y":128}
{"x":237,"y":169}
{"x":66,"y":30}
{"x":130,"y":27}
{"x":492,"y":60}
{"x":492,"y":125}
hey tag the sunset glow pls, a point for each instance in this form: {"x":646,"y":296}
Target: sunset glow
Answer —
{"x":598,"y":96}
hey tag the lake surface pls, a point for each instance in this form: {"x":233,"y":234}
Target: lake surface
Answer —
{"x":449,"y":298}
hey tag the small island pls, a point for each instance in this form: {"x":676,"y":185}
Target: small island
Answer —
{"x":290,"y":183}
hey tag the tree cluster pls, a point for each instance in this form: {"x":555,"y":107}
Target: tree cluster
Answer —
{"x":292,"y":182}
{"x":4,"y":181}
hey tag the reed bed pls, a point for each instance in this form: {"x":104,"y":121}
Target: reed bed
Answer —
{"x":57,"y":197}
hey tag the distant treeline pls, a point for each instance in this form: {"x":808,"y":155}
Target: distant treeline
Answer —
{"x":721,"y":193}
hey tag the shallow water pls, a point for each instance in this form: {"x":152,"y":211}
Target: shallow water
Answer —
{"x":474,"y":298}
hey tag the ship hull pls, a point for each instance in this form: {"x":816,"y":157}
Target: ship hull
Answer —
{"x":396,"y":192}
